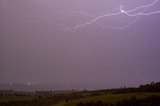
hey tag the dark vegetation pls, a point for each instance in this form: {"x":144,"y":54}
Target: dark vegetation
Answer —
{"x":152,"y":87}
{"x":51,"y":98}
{"x":133,"y":101}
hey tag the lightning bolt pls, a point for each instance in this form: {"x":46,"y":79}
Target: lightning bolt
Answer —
{"x":92,"y":18}
{"x":121,"y":11}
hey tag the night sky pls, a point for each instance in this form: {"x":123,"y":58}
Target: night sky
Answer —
{"x":35,"y":45}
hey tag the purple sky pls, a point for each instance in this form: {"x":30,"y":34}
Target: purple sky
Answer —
{"x":33,"y":47}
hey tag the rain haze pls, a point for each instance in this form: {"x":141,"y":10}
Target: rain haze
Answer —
{"x":46,"y":41}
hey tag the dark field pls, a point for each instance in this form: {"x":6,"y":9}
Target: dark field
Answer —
{"x":144,"y":95}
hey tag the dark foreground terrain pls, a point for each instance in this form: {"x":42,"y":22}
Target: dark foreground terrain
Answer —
{"x":144,"y":95}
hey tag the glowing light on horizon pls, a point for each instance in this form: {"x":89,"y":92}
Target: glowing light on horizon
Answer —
{"x":29,"y":84}
{"x":10,"y":83}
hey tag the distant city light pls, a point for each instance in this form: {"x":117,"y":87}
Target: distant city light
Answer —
{"x":10,"y":83}
{"x":29,"y":84}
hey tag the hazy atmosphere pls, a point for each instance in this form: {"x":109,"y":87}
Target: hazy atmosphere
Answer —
{"x":64,"y":42}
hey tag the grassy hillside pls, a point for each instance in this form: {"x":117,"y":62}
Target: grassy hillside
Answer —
{"x":144,"y":95}
{"x":110,"y":98}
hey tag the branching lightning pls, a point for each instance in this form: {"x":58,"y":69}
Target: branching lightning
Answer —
{"x":121,"y":11}
{"x":134,"y":13}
